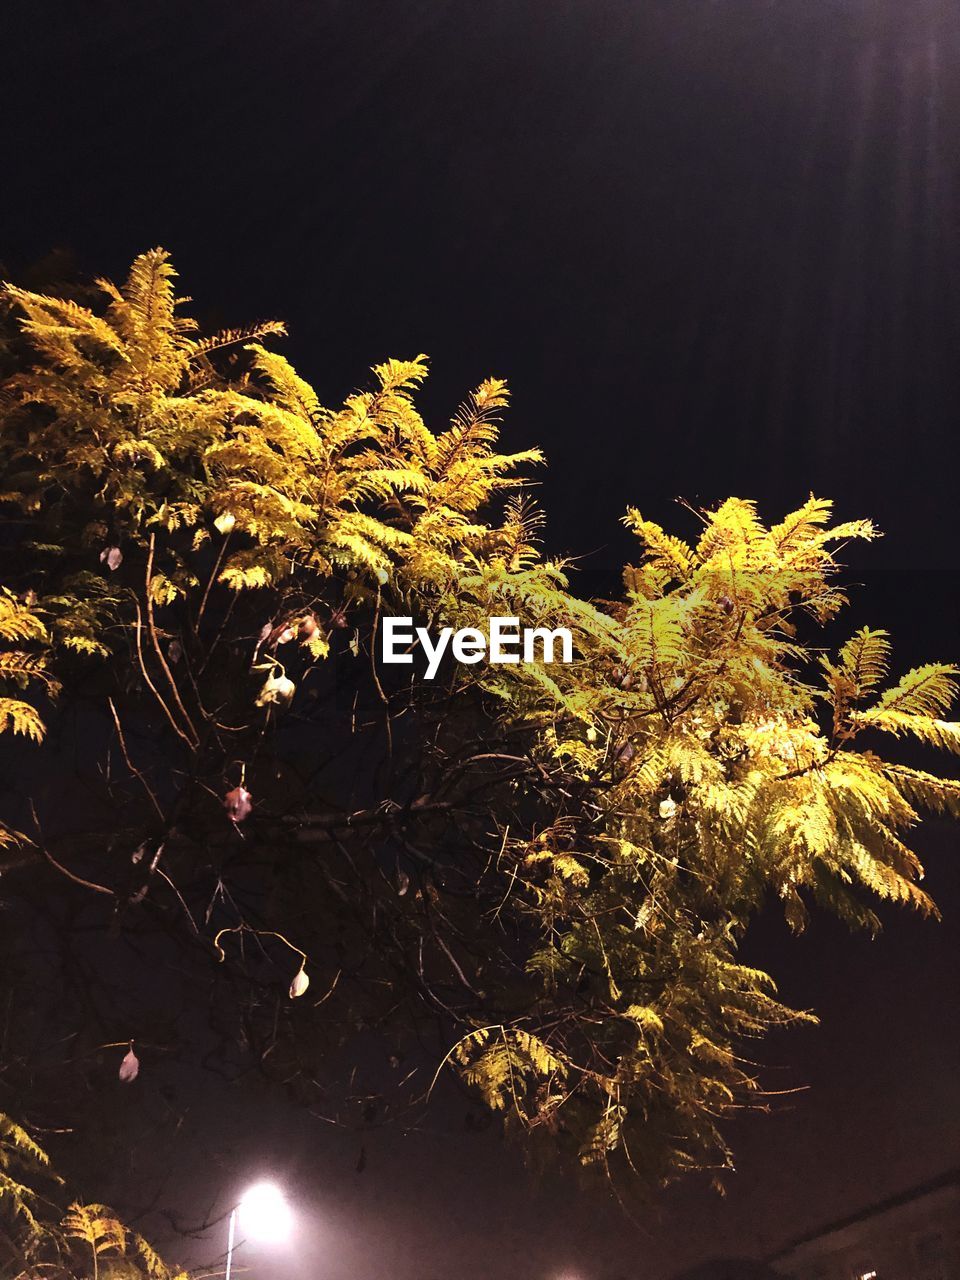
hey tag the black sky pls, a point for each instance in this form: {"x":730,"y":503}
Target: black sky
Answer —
{"x":713,"y":245}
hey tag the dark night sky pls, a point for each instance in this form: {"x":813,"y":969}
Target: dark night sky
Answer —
{"x":713,"y":245}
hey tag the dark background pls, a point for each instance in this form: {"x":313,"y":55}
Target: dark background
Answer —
{"x":713,"y":245}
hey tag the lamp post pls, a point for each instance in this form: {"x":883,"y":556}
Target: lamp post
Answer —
{"x":263,"y":1213}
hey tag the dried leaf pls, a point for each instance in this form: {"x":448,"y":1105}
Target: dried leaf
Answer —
{"x":238,"y":803}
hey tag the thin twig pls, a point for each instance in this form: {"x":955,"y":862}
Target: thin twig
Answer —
{"x":150,"y":685}
{"x":155,"y":639}
{"x":130,"y":765}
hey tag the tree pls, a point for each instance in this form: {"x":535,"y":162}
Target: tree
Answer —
{"x":39,"y":1236}
{"x":538,"y":874}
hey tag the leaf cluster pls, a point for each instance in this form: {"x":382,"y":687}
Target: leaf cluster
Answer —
{"x":553,"y":865}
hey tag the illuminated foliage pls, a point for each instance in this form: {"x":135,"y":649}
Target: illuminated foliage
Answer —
{"x":551,"y":865}
{"x":83,"y":1242}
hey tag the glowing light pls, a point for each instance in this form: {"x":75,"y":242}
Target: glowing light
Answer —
{"x":264,"y":1214}
{"x":868,"y":1275}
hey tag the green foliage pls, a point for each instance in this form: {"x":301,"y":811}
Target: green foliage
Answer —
{"x":20,"y":667}
{"x":716,"y":782}
{"x":113,"y":1249}
{"x":85,"y":1241}
{"x":586,"y":843}
{"x":20,"y":1159}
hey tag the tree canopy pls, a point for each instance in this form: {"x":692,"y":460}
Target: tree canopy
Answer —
{"x":535,"y":876}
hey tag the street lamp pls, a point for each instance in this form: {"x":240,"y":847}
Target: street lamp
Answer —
{"x":263,"y":1214}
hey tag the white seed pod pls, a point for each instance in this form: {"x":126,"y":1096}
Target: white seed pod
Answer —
{"x":668,"y":808}
{"x":277,"y":690}
{"x":225,"y":522}
{"x":300,"y":983}
{"x":129,"y":1067}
